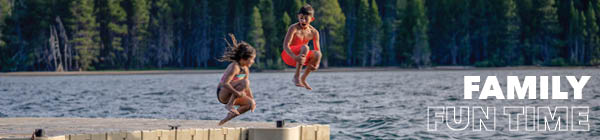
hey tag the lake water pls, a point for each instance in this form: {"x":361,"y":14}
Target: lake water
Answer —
{"x":357,"y":105}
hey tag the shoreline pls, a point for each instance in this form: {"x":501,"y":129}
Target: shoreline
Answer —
{"x":287,"y":70}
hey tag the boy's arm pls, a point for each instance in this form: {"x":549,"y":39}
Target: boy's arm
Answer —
{"x":288,"y":40}
{"x":316,"y":37}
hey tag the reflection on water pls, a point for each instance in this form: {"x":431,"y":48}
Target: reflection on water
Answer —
{"x":367,"y":105}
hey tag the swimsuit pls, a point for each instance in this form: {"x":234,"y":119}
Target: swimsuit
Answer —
{"x":236,"y":77}
{"x":296,"y":47}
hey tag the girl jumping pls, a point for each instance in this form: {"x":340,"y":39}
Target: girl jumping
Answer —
{"x":234,"y":88}
{"x":295,"y":45}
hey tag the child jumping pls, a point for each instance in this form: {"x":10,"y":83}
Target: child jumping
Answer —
{"x":234,"y":88}
{"x":295,"y":45}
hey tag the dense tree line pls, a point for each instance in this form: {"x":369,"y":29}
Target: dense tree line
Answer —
{"x":55,"y":35}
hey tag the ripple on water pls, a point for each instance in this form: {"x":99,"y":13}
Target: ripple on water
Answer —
{"x":334,"y":101}
{"x":155,"y":93}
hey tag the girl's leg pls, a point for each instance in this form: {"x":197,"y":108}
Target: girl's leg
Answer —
{"x":304,"y":50}
{"x":245,"y":104}
{"x":229,"y":96}
{"x":313,"y":65}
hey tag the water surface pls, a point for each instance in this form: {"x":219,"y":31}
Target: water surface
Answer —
{"x":357,"y":105}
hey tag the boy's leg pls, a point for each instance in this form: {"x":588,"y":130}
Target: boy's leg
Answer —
{"x":304,"y":50}
{"x":313,"y":65}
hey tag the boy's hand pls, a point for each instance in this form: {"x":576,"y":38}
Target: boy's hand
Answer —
{"x":300,"y":58}
{"x":313,"y":67}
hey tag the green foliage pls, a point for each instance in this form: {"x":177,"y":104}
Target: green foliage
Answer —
{"x":593,"y":40}
{"x":558,"y":62}
{"x":330,"y":23}
{"x":273,"y":39}
{"x":421,"y":52}
{"x":138,"y":34}
{"x":256,"y":37}
{"x":485,"y":63}
{"x":85,"y":39}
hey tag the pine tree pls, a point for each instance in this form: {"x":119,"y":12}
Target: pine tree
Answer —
{"x":546,"y":14}
{"x":360,"y":54}
{"x":137,"y":21}
{"x":446,"y":20}
{"x":5,"y":9}
{"x":351,"y":29}
{"x":160,"y":40}
{"x":575,"y":34}
{"x":330,"y":23}
{"x":273,"y":40}
{"x":24,"y":43}
{"x":592,"y":37}
{"x":111,"y":18}
{"x":405,"y":39}
{"x":374,"y":34}
{"x":256,"y":37}
{"x":504,"y":47}
{"x":85,"y":38}
{"x":295,"y":7}
{"x":421,"y":52}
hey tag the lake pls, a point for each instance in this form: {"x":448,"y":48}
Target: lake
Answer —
{"x":357,"y":105}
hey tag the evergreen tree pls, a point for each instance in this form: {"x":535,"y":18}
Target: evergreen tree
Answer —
{"x":25,"y":35}
{"x":330,"y":23}
{"x":295,"y":7}
{"x":421,"y":52}
{"x":137,"y":22}
{"x":362,"y":34}
{"x":403,"y":46}
{"x":374,"y":34}
{"x":350,"y":9}
{"x":85,"y":39}
{"x":5,"y":8}
{"x":256,"y":37}
{"x":273,"y":44}
{"x":592,"y":37}
{"x":389,"y":18}
{"x":219,"y":25}
{"x":111,"y":18}
{"x":480,"y":32}
{"x":160,"y":40}
{"x":546,"y":35}
{"x":575,"y":34}
{"x":505,"y":38}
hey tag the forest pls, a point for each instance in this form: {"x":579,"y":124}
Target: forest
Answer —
{"x":85,"y":35}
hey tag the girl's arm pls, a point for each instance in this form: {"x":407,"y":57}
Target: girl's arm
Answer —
{"x":253,"y":104}
{"x":229,"y":73}
{"x":247,"y":72}
{"x":288,"y":40}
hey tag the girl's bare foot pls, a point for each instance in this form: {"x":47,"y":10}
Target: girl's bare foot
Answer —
{"x":297,"y":82}
{"x":305,"y":84}
{"x":222,"y":122}
{"x":232,"y":109}
{"x":226,"y":119}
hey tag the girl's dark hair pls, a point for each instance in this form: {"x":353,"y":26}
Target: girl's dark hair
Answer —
{"x":307,"y":10}
{"x":236,"y":51}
